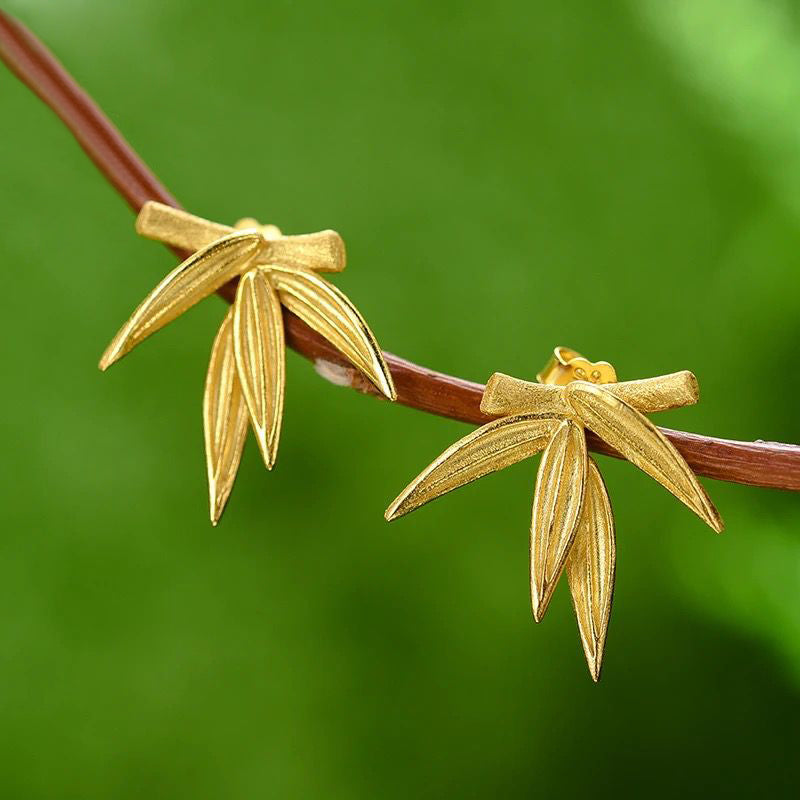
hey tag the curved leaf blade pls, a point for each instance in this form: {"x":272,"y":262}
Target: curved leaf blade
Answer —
{"x":636,"y":438}
{"x":192,"y":280}
{"x":225,"y":419}
{"x":557,"y":505}
{"x":258,"y":344}
{"x":590,"y":568}
{"x":329,"y":312}
{"x":487,"y":449}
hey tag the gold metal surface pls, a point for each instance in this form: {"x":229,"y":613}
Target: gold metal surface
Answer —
{"x":260,"y":358}
{"x":635,"y":437}
{"x":557,"y":505}
{"x":325,"y":309}
{"x":225,"y":419}
{"x":323,"y":251}
{"x":246,"y":374}
{"x":572,"y":523}
{"x":178,"y":228}
{"x":565,"y":365}
{"x":487,"y":449}
{"x":192,"y":280}
{"x":590,"y":569}
{"x":507,"y":395}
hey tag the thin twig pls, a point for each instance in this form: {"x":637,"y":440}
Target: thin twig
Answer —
{"x":767,"y":464}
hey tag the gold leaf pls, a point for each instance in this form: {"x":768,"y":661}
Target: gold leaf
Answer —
{"x":178,"y":228}
{"x":225,"y":419}
{"x":260,"y":358}
{"x":487,"y":449}
{"x":506,"y":395}
{"x":590,"y":569}
{"x":191,"y":281}
{"x":638,"y":440}
{"x":323,"y":251}
{"x":557,"y":506}
{"x":323,"y":307}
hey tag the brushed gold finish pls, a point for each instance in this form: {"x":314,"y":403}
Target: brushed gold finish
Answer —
{"x":572,"y":522}
{"x":487,"y":449}
{"x":590,"y":569}
{"x":260,"y":358}
{"x":507,"y":395}
{"x":246,"y":374}
{"x":324,"y":308}
{"x":323,"y":251}
{"x":192,"y":280}
{"x":635,"y":437}
{"x":225,"y":419}
{"x":557,"y":505}
{"x":178,"y":228}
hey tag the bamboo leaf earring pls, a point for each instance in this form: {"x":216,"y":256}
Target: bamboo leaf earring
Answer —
{"x":246,"y":373}
{"x":572,"y":525}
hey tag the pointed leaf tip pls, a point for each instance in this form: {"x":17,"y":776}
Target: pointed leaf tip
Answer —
{"x":195,"y":278}
{"x":642,"y":443}
{"x":258,"y":340}
{"x":489,"y":448}
{"x":225,"y":420}
{"x":329,"y":312}
{"x":590,"y":568}
{"x":557,"y":505}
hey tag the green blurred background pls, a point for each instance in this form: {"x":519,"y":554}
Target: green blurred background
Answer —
{"x":619,"y":177}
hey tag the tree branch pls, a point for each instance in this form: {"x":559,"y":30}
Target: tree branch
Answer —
{"x":767,"y":464}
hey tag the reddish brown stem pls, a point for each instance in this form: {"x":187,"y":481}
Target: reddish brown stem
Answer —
{"x":767,"y":464}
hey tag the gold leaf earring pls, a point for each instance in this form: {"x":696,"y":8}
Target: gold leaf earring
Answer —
{"x":572,"y":525}
{"x":246,"y":373}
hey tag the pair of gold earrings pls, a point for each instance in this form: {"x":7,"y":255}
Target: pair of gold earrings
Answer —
{"x":572,"y":527}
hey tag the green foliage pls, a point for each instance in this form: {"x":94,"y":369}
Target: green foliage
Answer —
{"x":480,"y":160}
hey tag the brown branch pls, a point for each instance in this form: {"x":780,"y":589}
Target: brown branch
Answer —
{"x":767,"y":464}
